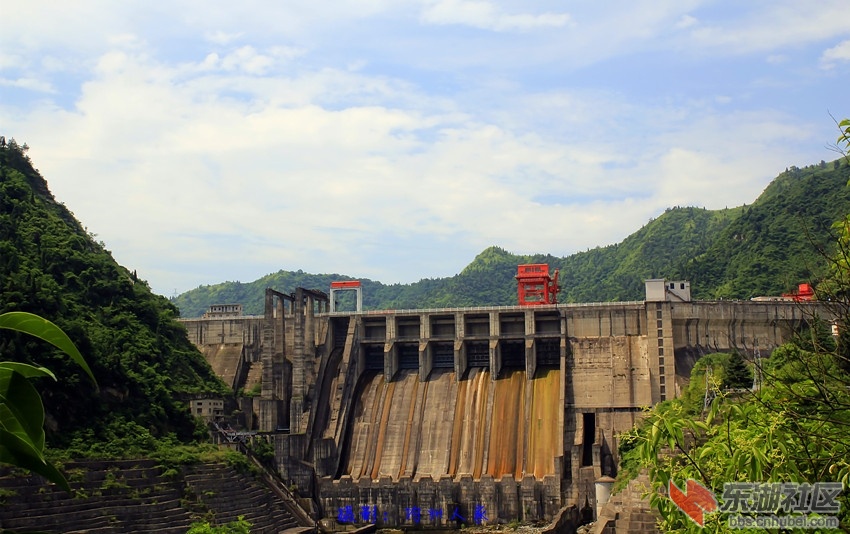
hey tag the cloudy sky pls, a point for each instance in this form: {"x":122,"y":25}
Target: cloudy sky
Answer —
{"x":207,"y":141}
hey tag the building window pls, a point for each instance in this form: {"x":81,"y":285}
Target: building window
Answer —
{"x":661,"y":361}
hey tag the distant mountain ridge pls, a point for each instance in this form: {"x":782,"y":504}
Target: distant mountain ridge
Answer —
{"x":762,"y":249}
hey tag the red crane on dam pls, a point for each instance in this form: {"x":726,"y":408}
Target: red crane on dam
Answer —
{"x":535,"y":286}
{"x":803,"y":293}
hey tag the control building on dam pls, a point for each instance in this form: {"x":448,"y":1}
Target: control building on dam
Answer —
{"x":509,"y":411}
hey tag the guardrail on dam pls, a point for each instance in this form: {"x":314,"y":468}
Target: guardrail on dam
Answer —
{"x":409,"y":417}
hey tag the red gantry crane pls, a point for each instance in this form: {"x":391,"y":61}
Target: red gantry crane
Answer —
{"x":534,"y":285}
{"x":803,"y":293}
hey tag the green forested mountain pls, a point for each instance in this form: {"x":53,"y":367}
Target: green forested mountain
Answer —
{"x":140,"y":355}
{"x":773,"y":244}
{"x":766,"y":248}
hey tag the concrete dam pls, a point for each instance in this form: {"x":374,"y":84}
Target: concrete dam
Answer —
{"x":445,"y":416}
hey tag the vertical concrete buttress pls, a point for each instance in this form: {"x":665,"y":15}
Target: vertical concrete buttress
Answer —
{"x":426,"y":356}
{"x":272,"y":390}
{"x":530,"y":355}
{"x":391,"y":349}
{"x":495,"y":352}
{"x":460,"y":346}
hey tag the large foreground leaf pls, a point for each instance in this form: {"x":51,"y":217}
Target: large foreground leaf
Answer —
{"x":41,"y":328}
{"x":20,"y":453}
{"x":21,"y":410}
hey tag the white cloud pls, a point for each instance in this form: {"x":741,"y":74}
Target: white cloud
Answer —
{"x":486,"y":15}
{"x":222,"y":38}
{"x":372,"y":139}
{"x":248,"y":60}
{"x":686,"y":21}
{"x":10,"y":60}
{"x":836,"y":54}
{"x":125,"y":41}
{"x":30,"y":84}
{"x":149,"y":153}
{"x":774,"y":25}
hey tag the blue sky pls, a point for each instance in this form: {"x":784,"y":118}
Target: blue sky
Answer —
{"x":394,"y":140}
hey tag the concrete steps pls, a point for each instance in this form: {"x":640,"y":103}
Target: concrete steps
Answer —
{"x":135,"y":496}
{"x":221,"y":489}
{"x":106,"y":497}
{"x":628,"y":511}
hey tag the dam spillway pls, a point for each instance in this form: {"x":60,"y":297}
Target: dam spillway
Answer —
{"x":513,"y":409}
{"x":442,"y":427}
{"x":543,"y":442}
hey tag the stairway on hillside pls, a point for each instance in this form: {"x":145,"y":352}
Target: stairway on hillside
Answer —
{"x":138,"y":496}
{"x":230,"y":495}
{"x":125,"y":496}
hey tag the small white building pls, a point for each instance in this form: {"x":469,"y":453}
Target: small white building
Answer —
{"x":661,"y":290}
{"x":207,"y":408}
{"x":224,"y":310}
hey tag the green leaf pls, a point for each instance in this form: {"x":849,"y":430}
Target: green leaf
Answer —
{"x":41,"y":328}
{"x":21,"y":410}
{"x":19,"y":452}
{"x":28,"y":371}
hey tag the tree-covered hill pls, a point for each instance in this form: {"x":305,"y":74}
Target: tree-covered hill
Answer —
{"x":141,"y":357}
{"x":618,"y":272}
{"x":766,"y":248}
{"x":773,"y":245}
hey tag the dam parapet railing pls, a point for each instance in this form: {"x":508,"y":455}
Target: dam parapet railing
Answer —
{"x":472,"y":309}
{"x":542,"y":307}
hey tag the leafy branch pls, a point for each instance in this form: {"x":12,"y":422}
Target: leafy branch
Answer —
{"x":21,"y":410}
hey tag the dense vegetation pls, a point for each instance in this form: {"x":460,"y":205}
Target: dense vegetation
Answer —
{"x":766,"y":248}
{"x":779,"y":240}
{"x":140,"y":356}
{"x":794,"y":428}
